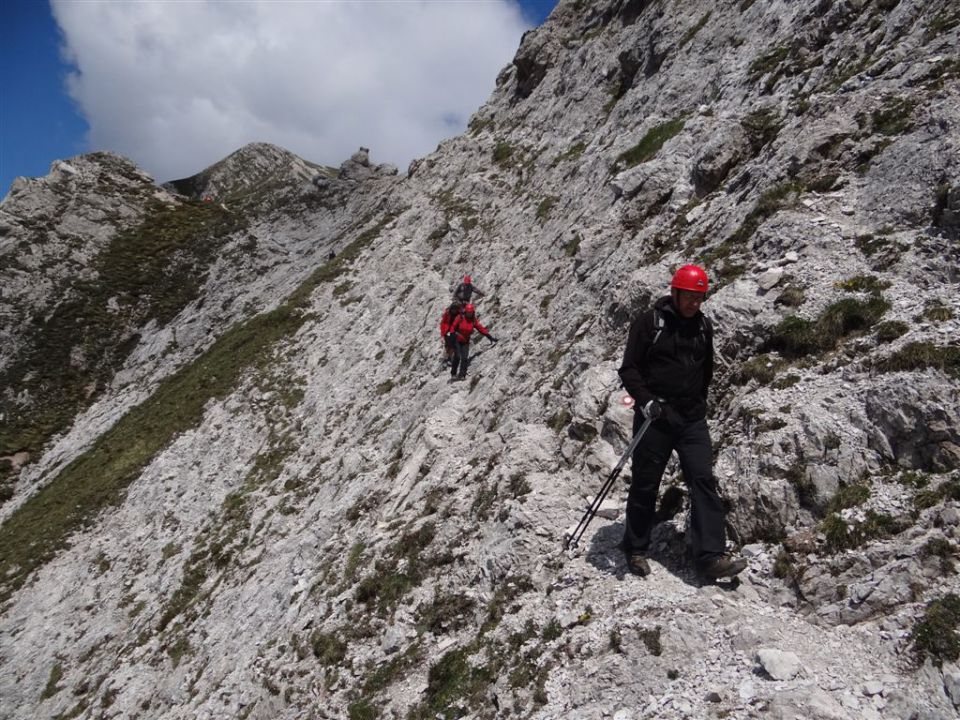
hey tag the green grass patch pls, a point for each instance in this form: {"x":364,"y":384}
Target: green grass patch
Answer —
{"x":572,"y":246}
{"x":52,"y":687}
{"x":893,"y":117}
{"x":98,"y":478}
{"x":447,"y":613}
{"x":570,"y":154}
{"x":890,"y":330}
{"x":847,"y":497}
{"x":935,"y":634}
{"x":692,"y":31}
{"x":761,"y":126}
{"x":328,"y":648}
{"x":936,"y":311}
{"x":503,"y":154}
{"x":863,"y":283}
{"x":796,"y":337}
{"x":650,"y":144}
{"x":767,"y":62}
{"x":544,"y":208}
{"x":920,"y":356}
{"x":383,"y":589}
{"x":762,"y":368}
{"x":841,"y":535}
{"x":149,"y":272}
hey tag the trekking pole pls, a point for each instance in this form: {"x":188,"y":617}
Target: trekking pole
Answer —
{"x":572,"y":540}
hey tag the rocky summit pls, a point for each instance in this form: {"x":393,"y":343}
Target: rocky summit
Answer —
{"x":236,"y":482}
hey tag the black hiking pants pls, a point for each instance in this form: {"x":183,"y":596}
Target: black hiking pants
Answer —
{"x":461,"y":358}
{"x":691,"y":440}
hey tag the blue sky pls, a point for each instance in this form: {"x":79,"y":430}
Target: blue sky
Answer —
{"x":79,"y":77}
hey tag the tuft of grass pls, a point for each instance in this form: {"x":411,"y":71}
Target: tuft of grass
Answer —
{"x":863,"y":283}
{"x":767,"y":62}
{"x":572,"y":246}
{"x":923,"y":355}
{"x":447,"y":613}
{"x":762,"y":369}
{"x":890,"y":330}
{"x":941,"y":548}
{"x":503,"y":153}
{"x":650,"y":144}
{"x":927,"y":498}
{"x":692,"y":31}
{"x":935,"y":634}
{"x":52,"y":687}
{"x":840,"y":535}
{"x":544,"y":208}
{"x":327,"y":648}
{"x":936,"y":311}
{"x":362,"y":709}
{"x":570,"y":154}
{"x":791,"y":296}
{"x":796,"y":337}
{"x":651,"y":640}
{"x":893,"y":117}
{"x":761,"y":126}
{"x":847,"y":497}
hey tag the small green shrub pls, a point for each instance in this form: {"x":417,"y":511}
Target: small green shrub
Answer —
{"x":650,"y":144}
{"x":890,"y":330}
{"x":935,"y":634}
{"x":783,"y":565}
{"x":572,"y":246}
{"x":362,"y":709}
{"x":385,"y":387}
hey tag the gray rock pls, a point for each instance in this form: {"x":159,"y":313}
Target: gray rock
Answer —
{"x":778,"y":664}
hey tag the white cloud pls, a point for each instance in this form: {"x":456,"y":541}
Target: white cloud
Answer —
{"x":176,"y":86}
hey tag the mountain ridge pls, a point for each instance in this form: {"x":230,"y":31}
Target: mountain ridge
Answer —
{"x":336,"y":532}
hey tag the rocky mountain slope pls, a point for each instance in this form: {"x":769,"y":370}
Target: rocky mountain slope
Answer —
{"x":239,"y":484}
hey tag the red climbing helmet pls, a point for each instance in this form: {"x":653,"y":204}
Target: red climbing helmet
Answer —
{"x":690,"y":277}
{"x":467,"y":280}
{"x":469,"y":310}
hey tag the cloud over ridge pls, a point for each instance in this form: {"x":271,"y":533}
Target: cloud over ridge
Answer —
{"x":177,"y":86}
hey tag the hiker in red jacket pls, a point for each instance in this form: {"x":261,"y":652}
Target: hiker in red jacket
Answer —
{"x":446,"y":322}
{"x":460,"y":331}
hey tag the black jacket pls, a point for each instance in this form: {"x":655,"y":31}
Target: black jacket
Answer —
{"x":678,"y":368}
{"x":464,"y":292}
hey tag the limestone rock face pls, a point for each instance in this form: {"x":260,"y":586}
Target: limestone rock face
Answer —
{"x":236,"y":481}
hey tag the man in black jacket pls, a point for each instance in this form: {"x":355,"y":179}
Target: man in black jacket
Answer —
{"x":667,"y":369}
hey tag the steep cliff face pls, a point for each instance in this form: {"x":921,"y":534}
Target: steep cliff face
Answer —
{"x":274,"y":505}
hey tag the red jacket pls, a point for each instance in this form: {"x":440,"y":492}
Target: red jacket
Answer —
{"x":463,"y":327}
{"x":446,"y":322}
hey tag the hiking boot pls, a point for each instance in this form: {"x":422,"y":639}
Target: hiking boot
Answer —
{"x":637,"y":563}
{"x":722,"y":566}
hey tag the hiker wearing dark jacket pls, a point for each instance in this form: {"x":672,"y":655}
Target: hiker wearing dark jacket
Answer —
{"x":667,"y":369}
{"x":465,"y":290}
{"x":460,"y":331}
